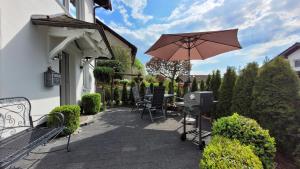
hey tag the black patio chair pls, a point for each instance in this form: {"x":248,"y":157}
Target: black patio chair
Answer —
{"x":156,"y":104}
{"x":138,"y":101}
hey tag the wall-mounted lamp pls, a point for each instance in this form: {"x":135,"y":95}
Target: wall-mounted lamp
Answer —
{"x":83,"y":61}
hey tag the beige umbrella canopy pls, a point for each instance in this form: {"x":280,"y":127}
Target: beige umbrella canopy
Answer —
{"x":194,"y":46}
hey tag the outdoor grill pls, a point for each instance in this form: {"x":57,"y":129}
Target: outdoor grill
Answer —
{"x":196,"y":103}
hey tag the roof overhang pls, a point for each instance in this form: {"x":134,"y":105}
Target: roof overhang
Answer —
{"x":290,"y":50}
{"x":130,"y":45}
{"x":106,"y":4}
{"x":73,"y":30}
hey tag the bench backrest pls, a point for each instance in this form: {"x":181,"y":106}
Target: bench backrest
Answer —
{"x":14,"y":113}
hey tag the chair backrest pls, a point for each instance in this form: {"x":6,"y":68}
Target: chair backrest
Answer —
{"x":136,"y":94}
{"x":158,"y":97}
{"x":14,"y":113}
{"x":148,"y":91}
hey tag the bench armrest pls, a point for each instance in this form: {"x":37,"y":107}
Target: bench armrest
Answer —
{"x":58,"y":115}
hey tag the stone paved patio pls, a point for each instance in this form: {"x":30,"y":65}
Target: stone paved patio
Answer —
{"x":119,"y":139}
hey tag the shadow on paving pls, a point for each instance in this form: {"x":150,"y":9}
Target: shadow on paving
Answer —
{"x":119,"y":139}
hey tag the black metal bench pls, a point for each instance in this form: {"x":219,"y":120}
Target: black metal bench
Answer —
{"x":18,"y":136}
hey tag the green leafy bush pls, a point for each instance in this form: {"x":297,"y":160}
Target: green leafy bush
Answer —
{"x":91,"y":103}
{"x":103,"y":74}
{"x":71,"y":115}
{"x":131,"y":98}
{"x":194,"y":85}
{"x":202,"y":85}
{"x":215,"y":83}
{"x":142,"y":89}
{"x":275,"y":91}
{"x":115,"y":65}
{"x":107,"y":97}
{"x":226,"y":92}
{"x":117,"y":95}
{"x":124,"y":94}
{"x":248,"y":132}
{"x":242,"y":93}
{"x":223,"y":153}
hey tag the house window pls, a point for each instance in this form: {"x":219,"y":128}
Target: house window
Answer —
{"x":297,"y":63}
{"x":74,"y":7}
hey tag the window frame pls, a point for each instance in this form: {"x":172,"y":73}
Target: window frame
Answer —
{"x":297,"y":63}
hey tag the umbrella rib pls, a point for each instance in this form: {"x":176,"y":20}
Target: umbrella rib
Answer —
{"x":163,"y":46}
{"x":172,"y":54}
{"x":199,"y":53}
{"x":205,"y":40}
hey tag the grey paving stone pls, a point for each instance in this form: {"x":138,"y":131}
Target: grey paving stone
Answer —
{"x":119,"y":139}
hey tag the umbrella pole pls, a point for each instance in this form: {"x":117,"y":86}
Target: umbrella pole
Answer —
{"x":189,"y":73}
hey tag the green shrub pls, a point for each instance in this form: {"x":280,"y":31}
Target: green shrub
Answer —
{"x":226,"y":92}
{"x":151,"y":87}
{"x":107,"y":93}
{"x":194,"y":85}
{"x":142,"y":89}
{"x":71,"y":115}
{"x":248,"y":132}
{"x":275,"y":91}
{"x":103,"y":74}
{"x":242,"y":94}
{"x":124,"y":94}
{"x":91,"y":103}
{"x":117,"y":95}
{"x":207,"y":83}
{"x":131,"y":98}
{"x":223,"y":153}
{"x":202,"y":85}
{"x":215,"y":83}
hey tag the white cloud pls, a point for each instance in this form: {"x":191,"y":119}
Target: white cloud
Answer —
{"x":124,"y":14}
{"x":263,"y":49}
{"x":137,"y":9}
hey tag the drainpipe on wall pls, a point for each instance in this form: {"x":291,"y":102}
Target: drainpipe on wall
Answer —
{"x":94,"y":11}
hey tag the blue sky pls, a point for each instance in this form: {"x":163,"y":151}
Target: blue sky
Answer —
{"x":266,"y":27}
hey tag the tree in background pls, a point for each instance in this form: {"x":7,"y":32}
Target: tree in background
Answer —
{"x":215,"y":83}
{"x":167,"y":69}
{"x":242,"y":93}
{"x":170,"y":88}
{"x":194,"y":85}
{"x":138,"y":67}
{"x":275,"y":94}
{"x":142,"y":89}
{"x":226,"y":92}
{"x":124,"y":94}
{"x":207,"y":83}
{"x":124,"y":57}
{"x":186,"y":87}
{"x":202,"y":85}
{"x":131,"y":98}
{"x":117,"y":95}
{"x":151,"y":87}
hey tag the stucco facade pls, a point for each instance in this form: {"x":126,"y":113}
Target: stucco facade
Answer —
{"x":24,"y":54}
{"x":295,"y":56}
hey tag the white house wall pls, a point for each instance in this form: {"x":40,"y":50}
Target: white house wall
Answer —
{"x":292,"y":57}
{"x":24,"y":53}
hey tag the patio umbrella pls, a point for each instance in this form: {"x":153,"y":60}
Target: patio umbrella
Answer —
{"x":194,"y":46}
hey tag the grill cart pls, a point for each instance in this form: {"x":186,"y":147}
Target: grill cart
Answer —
{"x":195,"y":104}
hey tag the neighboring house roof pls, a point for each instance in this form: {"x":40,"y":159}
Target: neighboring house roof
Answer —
{"x":63,"y":20}
{"x":106,"y":4}
{"x":184,"y":78}
{"x":133,"y":48}
{"x":290,"y":50}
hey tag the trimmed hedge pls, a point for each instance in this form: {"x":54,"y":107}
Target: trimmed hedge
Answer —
{"x":248,"y":132}
{"x":71,"y":114}
{"x":91,"y":103}
{"x":224,"y":153}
